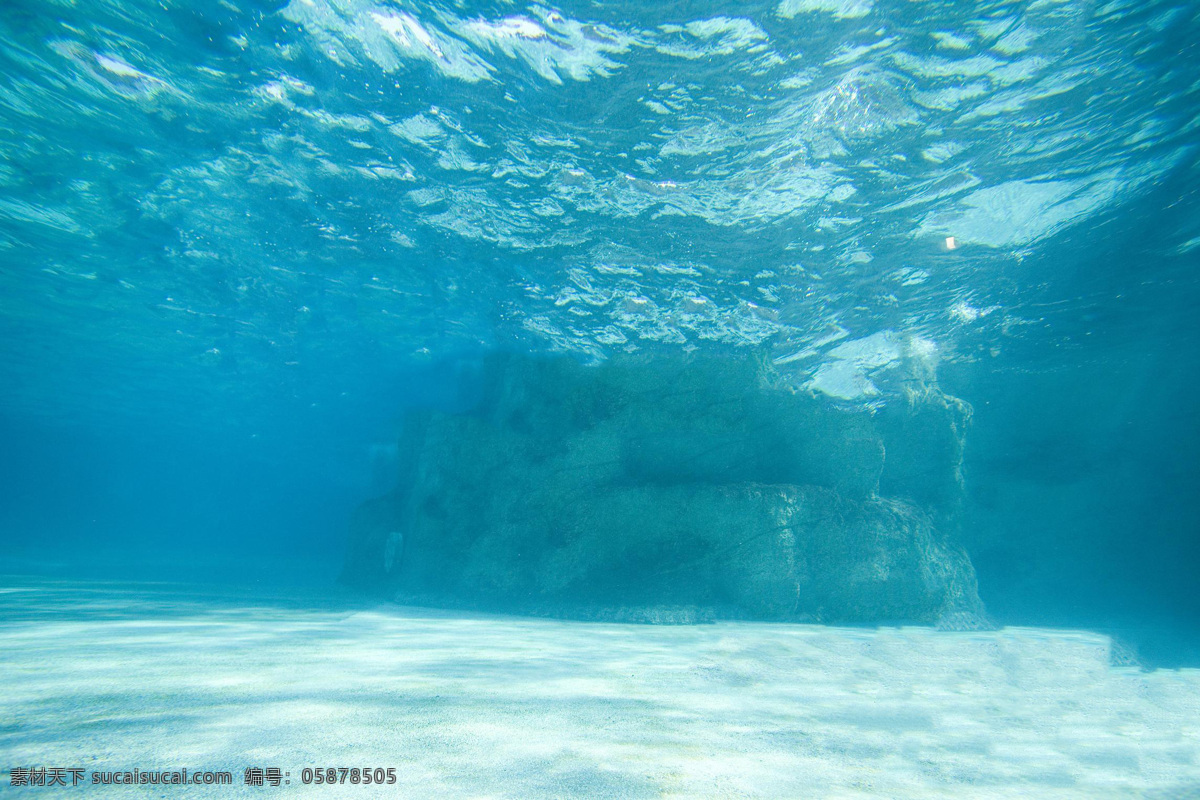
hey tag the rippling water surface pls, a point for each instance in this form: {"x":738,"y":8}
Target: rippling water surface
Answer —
{"x":232,"y":193}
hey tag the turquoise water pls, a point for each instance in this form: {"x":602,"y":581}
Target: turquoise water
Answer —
{"x":609,"y":399}
{"x":242,"y":243}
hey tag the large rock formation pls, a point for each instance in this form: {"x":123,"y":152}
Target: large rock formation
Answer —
{"x":672,"y":490}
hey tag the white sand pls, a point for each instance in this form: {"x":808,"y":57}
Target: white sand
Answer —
{"x":105,"y":676}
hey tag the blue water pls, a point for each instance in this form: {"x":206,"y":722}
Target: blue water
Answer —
{"x":239,"y":239}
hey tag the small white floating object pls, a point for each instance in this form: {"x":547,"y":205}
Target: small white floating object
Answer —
{"x":951,"y":244}
{"x":118,"y":67}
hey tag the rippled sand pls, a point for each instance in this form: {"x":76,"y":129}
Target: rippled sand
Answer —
{"x":107,"y":676}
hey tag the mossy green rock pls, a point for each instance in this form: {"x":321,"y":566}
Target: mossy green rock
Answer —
{"x":640,"y":485}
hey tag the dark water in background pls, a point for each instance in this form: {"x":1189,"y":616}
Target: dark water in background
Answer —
{"x":237,"y":241}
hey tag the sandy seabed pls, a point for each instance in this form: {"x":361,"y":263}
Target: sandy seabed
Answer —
{"x":108,"y":676}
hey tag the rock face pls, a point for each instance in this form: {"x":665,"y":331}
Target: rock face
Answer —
{"x":672,"y":490}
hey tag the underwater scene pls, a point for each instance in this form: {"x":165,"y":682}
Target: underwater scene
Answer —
{"x":600,"y":399}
